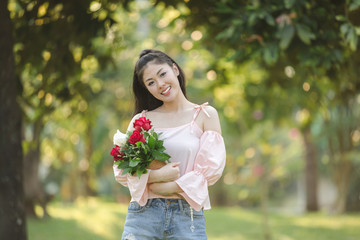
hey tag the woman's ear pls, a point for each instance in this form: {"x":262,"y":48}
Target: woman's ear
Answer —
{"x":176,"y":70}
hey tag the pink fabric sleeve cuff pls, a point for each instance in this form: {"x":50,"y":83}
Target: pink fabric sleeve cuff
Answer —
{"x":137,"y":186}
{"x":208,"y":167}
{"x":122,"y":179}
{"x":195,"y":189}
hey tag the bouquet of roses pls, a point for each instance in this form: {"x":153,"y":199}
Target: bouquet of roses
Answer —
{"x":139,"y":150}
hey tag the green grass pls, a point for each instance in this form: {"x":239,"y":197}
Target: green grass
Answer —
{"x":97,"y":219}
{"x":242,"y":224}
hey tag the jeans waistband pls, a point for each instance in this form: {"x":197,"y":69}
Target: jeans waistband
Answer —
{"x":168,"y":201}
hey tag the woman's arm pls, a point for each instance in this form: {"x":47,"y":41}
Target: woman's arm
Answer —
{"x":167,"y":173}
{"x":165,"y":188}
{"x":211,"y":123}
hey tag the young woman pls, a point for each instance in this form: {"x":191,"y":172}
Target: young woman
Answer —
{"x":168,"y":203}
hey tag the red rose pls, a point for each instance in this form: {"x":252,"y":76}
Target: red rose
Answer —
{"x":143,"y":123}
{"x":117,"y":153}
{"x":136,"y":136}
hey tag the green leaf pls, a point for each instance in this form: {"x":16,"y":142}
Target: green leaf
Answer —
{"x":252,"y":18}
{"x":344,"y":29}
{"x":289,"y":3}
{"x":134,"y":162}
{"x":123,"y":165}
{"x":269,"y":19}
{"x":340,"y":18}
{"x":237,"y":21}
{"x":357,"y":30}
{"x":286,"y":36}
{"x":161,"y":149}
{"x":159,"y":144}
{"x":152,"y":142}
{"x":138,"y":144}
{"x":270,"y":54}
{"x":140,"y":171}
{"x":304,"y":33}
{"x":227,"y":33}
{"x":145,"y":134}
{"x":353,"y":39}
{"x":125,"y":171}
{"x":161,"y":156}
{"x":156,"y":135}
{"x":355,"y":5}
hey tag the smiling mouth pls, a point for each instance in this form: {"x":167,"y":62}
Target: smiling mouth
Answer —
{"x":166,"y":91}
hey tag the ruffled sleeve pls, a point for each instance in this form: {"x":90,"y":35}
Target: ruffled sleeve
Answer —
{"x":208,"y":167}
{"x":137,"y":186}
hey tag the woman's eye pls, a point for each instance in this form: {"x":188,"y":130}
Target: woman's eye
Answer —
{"x":162,"y":74}
{"x":150,"y":83}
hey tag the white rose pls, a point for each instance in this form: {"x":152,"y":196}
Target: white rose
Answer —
{"x":119,"y":138}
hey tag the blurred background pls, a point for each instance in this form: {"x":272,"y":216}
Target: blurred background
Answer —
{"x":283,"y":75}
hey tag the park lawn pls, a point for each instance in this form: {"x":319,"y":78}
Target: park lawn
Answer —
{"x":102,"y":220}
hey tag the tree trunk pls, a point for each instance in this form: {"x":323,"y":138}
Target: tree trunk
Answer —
{"x":12,"y":214}
{"x":34,"y":192}
{"x":342,"y":180}
{"x":340,"y":145}
{"x":85,"y":165}
{"x":352,"y":201}
{"x":342,"y":166}
{"x":311,"y":180}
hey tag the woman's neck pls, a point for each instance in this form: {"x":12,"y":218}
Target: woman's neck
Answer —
{"x":176,"y":106}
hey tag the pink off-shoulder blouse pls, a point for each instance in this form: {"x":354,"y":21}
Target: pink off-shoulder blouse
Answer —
{"x":202,"y":156}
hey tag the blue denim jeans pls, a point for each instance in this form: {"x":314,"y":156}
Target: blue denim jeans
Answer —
{"x":164,"y":219}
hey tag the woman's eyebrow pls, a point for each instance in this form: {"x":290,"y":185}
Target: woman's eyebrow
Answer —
{"x":156,"y":74}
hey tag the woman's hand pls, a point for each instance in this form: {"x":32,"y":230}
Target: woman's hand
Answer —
{"x":165,"y":188}
{"x":167,"y":173}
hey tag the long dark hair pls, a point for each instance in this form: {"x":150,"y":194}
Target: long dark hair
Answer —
{"x":144,"y":100}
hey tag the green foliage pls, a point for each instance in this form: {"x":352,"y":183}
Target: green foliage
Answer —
{"x":315,"y":38}
{"x":304,"y":33}
{"x":55,"y":43}
{"x":286,"y":35}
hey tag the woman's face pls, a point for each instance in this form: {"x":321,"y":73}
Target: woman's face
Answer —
{"x":161,"y":81}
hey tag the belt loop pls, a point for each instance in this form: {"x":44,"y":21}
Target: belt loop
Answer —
{"x":181,"y":204}
{"x":149,"y":202}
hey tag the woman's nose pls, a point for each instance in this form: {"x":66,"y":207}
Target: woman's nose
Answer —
{"x":161,"y":83}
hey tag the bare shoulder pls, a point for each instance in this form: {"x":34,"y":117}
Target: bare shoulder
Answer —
{"x":211,"y":111}
{"x":211,"y":122}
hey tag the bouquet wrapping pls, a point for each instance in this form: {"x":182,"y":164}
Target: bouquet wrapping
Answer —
{"x":139,"y":150}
